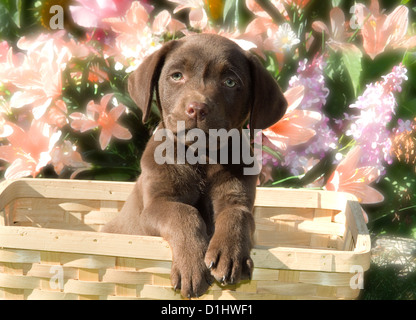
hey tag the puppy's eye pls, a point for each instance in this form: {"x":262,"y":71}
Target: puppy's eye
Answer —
{"x":177,"y":76}
{"x":230,"y":83}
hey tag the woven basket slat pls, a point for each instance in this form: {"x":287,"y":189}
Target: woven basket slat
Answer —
{"x":87,"y":261}
{"x":47,"y":271}
{"x":159,"y":292}
{"x":18,"y":281}
{"x":19,"y":256}
{"x":51,"y":295}
{"x":331,"y":279}
{"x":126,"y":277}
{"x":153,"y":266}
{"x":89,"y":287}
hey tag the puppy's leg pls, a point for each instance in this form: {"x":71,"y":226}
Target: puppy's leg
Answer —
{"x":127,"y":221}
{"x":183,"y":228}
{"x":228,"y":254}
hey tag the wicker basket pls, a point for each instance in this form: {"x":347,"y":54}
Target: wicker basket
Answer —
{"x":309,"y":245}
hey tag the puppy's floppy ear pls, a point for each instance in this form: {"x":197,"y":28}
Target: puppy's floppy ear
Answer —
{"x":143,"y":80}
{"x":268,"y":102}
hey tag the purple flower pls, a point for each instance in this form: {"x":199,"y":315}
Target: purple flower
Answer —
{"x":299,"y":159}
{"x":311,"y":76}
{"x":376,"y":108}
{"x":403,"y":126}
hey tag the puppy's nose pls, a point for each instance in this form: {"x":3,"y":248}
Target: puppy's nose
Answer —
{"x":197,"y":110}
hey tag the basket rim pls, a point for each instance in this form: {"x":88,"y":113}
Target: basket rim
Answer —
{"x":14,"y":187}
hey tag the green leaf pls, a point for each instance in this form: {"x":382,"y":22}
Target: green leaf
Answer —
{"x":272,"y":152}
{"x":287,"y":179}
{"x":16,"y":15}
{"x":409,"y":58}
{"x":271,"y":66}
{"x":414,"y":233}
{"x":351,"y":57}
{"x":229,"y":4}
{"x":336,"y":3}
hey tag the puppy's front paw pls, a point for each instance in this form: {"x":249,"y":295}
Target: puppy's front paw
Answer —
{"x":190,"y":276}
{"x":228,"y":259}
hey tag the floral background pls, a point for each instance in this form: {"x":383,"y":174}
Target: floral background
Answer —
{"x":348,"y":70}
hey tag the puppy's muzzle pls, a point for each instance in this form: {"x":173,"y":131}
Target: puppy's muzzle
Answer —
{"x":197,"y":111}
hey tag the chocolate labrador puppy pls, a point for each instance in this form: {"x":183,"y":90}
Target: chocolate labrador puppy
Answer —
{"x":203,"y":210}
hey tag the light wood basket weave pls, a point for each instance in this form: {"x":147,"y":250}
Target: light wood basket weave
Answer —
{"x":308,"y":246}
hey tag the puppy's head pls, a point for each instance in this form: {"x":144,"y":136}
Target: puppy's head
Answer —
{"x":208,"y":82}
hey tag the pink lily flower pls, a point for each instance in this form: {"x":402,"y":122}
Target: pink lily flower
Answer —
{"x":338,"y":34}
{"x":5,"y":129}
{"x":381,"y":31}
{"x":97,"y":116}
{"x":96,"y":74}
{"x":348,"y":178}
{"x":66,"y":155}
{"x":38,"y":78}
{"x":164,"y":21}
{"x":136,"y":39}
{"x":198,"y":18}
{"x":254,"y":7}
{"x":266,"y":34}
{"x":9,"y":63}
{"x":4,"y":49}
{"x":90,"y":13}
{"x":29,"y":151}
{"x":294,"y":128}
{"x":57,"y":114}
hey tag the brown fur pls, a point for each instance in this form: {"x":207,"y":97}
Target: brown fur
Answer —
{"x":204,"y":211}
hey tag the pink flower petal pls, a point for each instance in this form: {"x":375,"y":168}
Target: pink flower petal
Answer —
{"x":105,"y":138}
{"x":337,"y":23}
{"x":93,"y":108}
{"x":254,"y":7}
{"x":118,"y":25}
{"x":279,"y":141}
{"x":320,"y":27}
{"x":19,"y":137}
{"x":84,"y":17}
{"x":175,"y":26}
{"x":41,"y":107}
{"x":258,"y":26}
{"x":161,"y":22}
{"x":305,"y":118}
{"x":398,"y":22}
{"x":19,"y":169}
{"x":104,"y":101}
{"x":294,"y":97}
{"x":121,"y":133}
{"x":296,"y":134}
{"x":8,"y":153}
{"x":23,"y":98}
{"x":350,"y":162}
{"x":198,"y":18}
{"x":80,"y":122}
{"x":116,"y":112}
{"x":137,"y":15}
